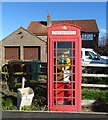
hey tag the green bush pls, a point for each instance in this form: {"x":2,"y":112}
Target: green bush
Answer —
{"x":95,"y":94}
{"x":8,"y":104}
{"x":29,"y":108}
{"x":95,"y":80}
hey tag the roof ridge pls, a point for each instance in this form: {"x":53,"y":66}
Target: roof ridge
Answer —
{"x":74,"y":20}
{"x":65,"y":20}
{"x":31,"y":33}
{"x":84,"y":24}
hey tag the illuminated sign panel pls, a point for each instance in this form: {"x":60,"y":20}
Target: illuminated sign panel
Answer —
{"x":63,"y":32}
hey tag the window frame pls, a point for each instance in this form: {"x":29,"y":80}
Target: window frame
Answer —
{"x":87,"y":35}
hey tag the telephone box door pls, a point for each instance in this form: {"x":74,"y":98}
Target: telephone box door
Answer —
{"x":64,"y":68}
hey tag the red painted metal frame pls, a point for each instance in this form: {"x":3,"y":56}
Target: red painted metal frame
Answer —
{"x":51,"y":87}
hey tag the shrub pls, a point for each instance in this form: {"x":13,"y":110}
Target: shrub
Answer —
{"x":102,"y":50}
{"x":8,"y":105}
{"x":95,"y":94}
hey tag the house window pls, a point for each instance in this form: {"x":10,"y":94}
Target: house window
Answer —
{"x":87,"y":36}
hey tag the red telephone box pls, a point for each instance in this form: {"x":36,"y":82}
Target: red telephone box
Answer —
{"x":64,"y":68}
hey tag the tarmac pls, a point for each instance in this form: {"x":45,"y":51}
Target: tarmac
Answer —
{"x":56,"y":115}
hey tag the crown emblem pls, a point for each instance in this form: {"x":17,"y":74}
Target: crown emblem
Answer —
{"x":64,"y":27}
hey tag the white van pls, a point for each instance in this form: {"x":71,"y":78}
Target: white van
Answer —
{"x":89,"y":56}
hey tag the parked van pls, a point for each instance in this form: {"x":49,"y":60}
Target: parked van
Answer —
{"x":89,"y":56}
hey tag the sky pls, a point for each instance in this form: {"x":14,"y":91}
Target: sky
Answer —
{"x":16,"y":14}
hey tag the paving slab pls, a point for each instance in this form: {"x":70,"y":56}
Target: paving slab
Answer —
{"x":87,"y":102}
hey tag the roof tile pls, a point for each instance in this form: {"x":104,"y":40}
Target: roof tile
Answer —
{"x":88,"y":25}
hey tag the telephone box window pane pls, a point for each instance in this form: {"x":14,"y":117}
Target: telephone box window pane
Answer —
{"x":62,"y":68}
{"x":55,"y":62}
{"x":62,"y":101}
{"x":67,"y":102}
{"x":66,"y":45}
{"x":55,"y":45}
{"x":67,"y":93}
{"x":73,"y":102}
{"x":66,"y":69}
{"x":58,"y":101}
{"x":54,"y":69}
{"x":64,"y":53}
{"x":54,"y":77}
{"x":54,"y":53}
{"x":63,"y":97}
{"x":64,"y":77}
{"x":64,"y":61}
{"x":62,"y":86}
{"x":73,"y":44}
{"x":73,"y":77}
{"x":60,"y":77}
{"x":73,"y":53}
{"x":73,"y":93}
{"x":57,"y":69}
{"x":73,"y":69}
{"x":73,"y":61}
{"x":73,"y":85}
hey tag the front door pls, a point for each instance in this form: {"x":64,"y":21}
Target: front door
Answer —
{"x":64,"y":72}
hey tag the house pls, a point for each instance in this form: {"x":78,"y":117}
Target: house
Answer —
{"x":23,"y":45}
{"x":89,"y":29}
{"x":31,"y":43}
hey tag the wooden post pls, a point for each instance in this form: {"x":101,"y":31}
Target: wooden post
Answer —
{"x":23,"y":82}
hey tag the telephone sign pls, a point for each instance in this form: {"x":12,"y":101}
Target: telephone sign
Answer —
{"x":63,"y":32}
{"x":64,"y":68}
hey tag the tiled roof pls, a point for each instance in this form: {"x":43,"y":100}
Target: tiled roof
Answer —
{"x":85,"y":25}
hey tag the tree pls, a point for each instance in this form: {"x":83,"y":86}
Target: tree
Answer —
{"x":103,"y":48}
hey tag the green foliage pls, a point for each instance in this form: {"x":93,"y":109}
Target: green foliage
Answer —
{"x":39,"y":103}
{"x":95,"y":80}
{"x":8,"y":105}
{"x":9,"y":101}
{"x":95,"y":94}
{"x":31,"y":107}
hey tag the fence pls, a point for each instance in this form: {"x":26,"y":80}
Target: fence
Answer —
{"x":7,"y":71}
{"x":13,"y":72}
{"x":95,"y":75}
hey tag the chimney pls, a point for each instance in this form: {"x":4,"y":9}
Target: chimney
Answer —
{"x":48,"y":20}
